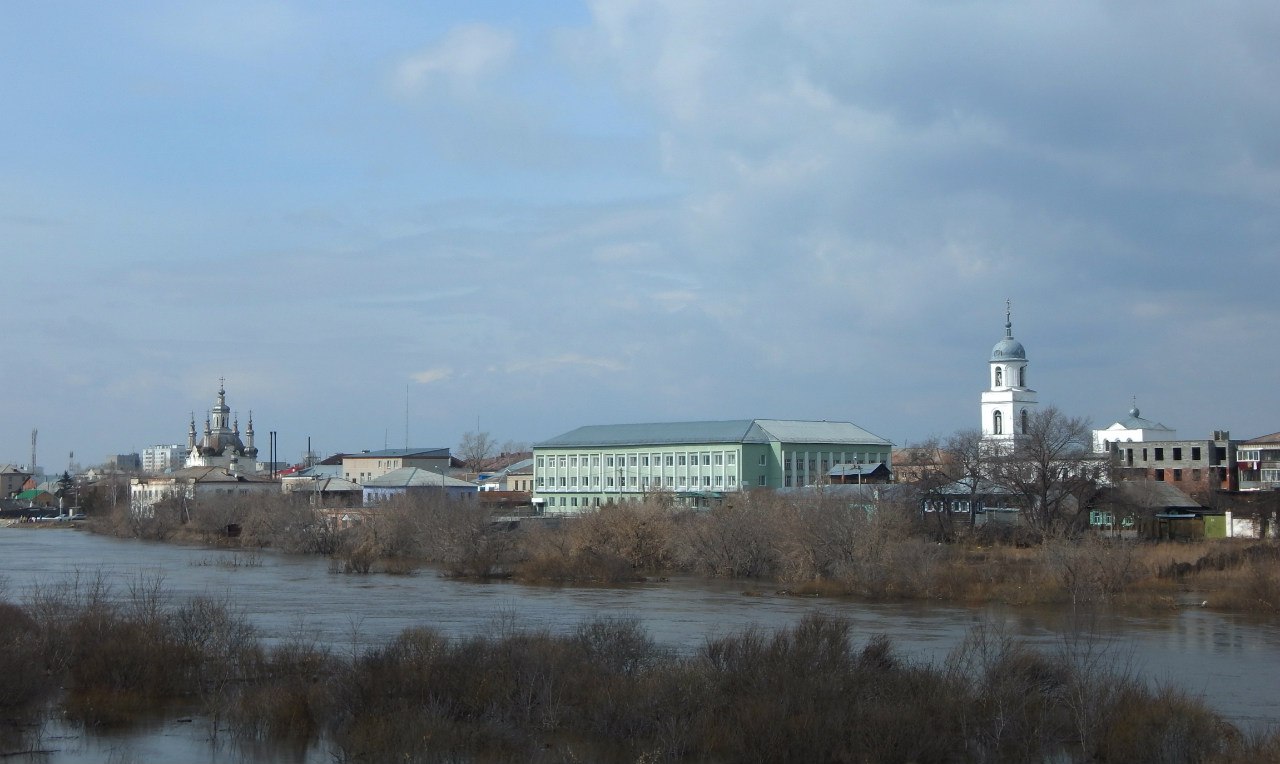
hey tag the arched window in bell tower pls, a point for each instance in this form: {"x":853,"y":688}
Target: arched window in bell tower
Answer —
{"x":999,"y":376}
{"x":997,"y":424}
{"x":1024,"y":421}
{"x":1022,"y":376}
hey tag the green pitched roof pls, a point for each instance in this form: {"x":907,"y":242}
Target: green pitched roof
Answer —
{"x":730,"y":431}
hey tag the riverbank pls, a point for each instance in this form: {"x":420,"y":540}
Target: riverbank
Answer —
{"x":810,"y":547}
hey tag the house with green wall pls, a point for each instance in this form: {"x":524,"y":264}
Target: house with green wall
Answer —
{"x":697,"y":463}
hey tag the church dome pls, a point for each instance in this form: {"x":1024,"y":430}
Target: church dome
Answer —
{"x":1008,"y":349}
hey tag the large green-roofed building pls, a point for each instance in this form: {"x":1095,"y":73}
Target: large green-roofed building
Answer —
{"x":697,"y":462}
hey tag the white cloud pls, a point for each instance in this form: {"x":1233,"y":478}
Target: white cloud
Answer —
{"x":565,"y":361}
{"x":431,"y":375}
{"x":464,"y":56}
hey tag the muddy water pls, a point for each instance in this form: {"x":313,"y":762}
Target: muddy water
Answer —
{"x":1232,"y":661}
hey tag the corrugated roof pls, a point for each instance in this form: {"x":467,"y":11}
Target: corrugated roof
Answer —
{"x":414,"y":477}
{"x":730,"y":431}
{"x":792,"y":431}
{"x":1263,"y":440}
{"x":1155,"y":494}
{"x":656,"y":433}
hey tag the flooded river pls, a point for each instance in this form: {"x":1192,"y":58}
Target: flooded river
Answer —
{"x":1233,"y":662}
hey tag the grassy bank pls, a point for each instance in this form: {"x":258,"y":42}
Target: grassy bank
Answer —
{"x":605,"y":692}
{"x":806,"y":545}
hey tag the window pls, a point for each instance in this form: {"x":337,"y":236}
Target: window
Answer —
{"x":609,"y":482}
{"x":595,"y":461}
{"x":608,"y":461}
{"x":764,"y":459}
{"x":999,"y":376}
{"x":1177,"y":475}
{"x":1159,"y":454}
{"x":997,"y":423}
{"x":1024,"y":421}
{"x":682,"y":460}
{"x":1195,"y":453}
{"x":1177,"y":454}
{"x":1159,"y":474}
{"x":562,"y":483}
{"x":670,"y":460}
{"x":762,"y":480}
{"x":561,"y":461}
{"x":573,"y":461}
{"x":1022,"y":376}
{"x":719,"y":459}
{"x":733,"y":457}
{"x":706,"y":459}
{"x":631,"y":461}
{"x":644,"y":461}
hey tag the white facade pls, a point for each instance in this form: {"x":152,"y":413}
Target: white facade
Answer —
{"x":1133,"y":429}
{"x":192,"y":484}
{"x":161,"y":458}
{"x":1007,"y":403}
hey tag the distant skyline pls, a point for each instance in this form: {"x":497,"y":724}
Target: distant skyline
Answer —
{"x":541,"y":216}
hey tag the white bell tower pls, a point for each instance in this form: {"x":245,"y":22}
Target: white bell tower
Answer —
{"x":1007,"y":403}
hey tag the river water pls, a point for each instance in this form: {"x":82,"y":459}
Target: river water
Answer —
{"x":1232,"y":661}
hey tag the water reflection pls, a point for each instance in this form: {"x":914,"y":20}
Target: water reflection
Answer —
{"x":1230,"y":660}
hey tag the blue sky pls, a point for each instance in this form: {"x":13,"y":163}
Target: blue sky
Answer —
{"x":543,"y":215}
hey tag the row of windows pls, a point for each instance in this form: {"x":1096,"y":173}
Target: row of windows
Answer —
{"x":794,"y":460}
{"x":686,"y":458}
{"x":1157,"y":454}
{"x":645,"y":482}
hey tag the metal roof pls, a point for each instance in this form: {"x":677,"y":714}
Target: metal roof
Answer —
{"x":792,"y":431}
{"x":730,"y":431}
{"x":413,"y":477}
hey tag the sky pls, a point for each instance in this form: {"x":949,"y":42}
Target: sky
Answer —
{"x":390,"y":223}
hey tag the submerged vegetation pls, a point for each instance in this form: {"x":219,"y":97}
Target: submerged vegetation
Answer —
{"x":813,"y":544}
{"x":603,"y":692}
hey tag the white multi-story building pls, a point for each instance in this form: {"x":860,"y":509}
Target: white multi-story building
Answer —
{"x":163,"y":458}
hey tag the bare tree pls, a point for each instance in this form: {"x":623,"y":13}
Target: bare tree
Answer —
{"x":476,"y":449}
{"x":971,"y":463}
{"x":1051,"y":469}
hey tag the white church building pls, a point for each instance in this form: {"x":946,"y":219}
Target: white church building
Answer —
{"x":1131,"y":429}
{"x":1007,"y":404}
{"x":221,"y":445}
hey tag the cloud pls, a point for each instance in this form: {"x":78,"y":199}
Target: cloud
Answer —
{"x":563,"y":362}
{"x":431,"y":375}
{"x":466,"y":55}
